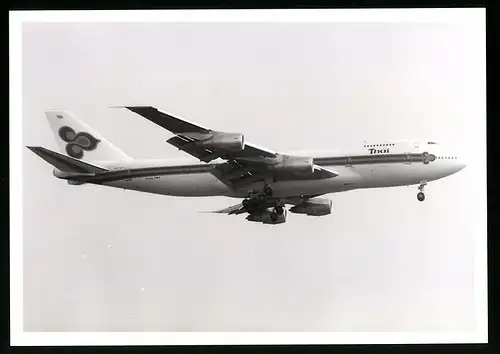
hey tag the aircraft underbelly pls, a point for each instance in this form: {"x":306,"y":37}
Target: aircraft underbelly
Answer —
{"x":185,"y":185}
{"x":346,"y":180}
{"x":361,"y":176}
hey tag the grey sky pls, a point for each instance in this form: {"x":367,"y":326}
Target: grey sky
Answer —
{"x":381,"y":262}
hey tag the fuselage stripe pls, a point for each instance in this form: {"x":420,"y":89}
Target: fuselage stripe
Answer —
{"x":368,"y":159}
{"x":117,"y":175}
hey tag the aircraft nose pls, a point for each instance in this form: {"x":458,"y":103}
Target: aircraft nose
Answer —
{"x":462,"y":163}
{"x":453,"y":159}
{"x":459,"y":163}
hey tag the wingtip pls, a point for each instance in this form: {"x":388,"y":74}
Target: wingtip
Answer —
{"x":140,"y":107}
{"x":131,"y":106}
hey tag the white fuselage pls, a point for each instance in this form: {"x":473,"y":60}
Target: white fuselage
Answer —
{"x":369,"y":166}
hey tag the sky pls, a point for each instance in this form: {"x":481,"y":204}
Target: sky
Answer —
{"x":105,"y":259}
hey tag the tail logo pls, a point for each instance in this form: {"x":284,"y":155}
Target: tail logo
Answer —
{"x":77,"y":142}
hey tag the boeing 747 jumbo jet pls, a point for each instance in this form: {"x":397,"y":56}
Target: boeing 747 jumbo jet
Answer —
{"x":266,"y":180}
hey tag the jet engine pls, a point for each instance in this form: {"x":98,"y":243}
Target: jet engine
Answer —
{"x":226,"y":141}
{"x":313,"y":207}
{"x":295,"y":164}
{"x":269,"y":217}
{"x":67,"y":175}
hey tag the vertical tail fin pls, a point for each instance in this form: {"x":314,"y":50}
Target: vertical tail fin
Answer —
{"x":78,"y":140}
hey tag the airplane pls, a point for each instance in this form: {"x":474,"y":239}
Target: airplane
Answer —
{"x":228,"y":165}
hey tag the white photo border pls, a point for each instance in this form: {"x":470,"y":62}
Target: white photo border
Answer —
{"x":472,"y":16}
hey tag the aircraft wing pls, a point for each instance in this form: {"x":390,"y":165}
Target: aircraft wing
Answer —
{"x":240,"y":209}
{"x":187,"y":134}
{"x":243,"y":166}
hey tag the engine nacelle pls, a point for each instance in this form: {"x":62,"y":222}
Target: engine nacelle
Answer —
{"x":295,"y":164}
{"x":226,"y":141}
{"x":313,"y":207}
{"x":65,"y":175}
{"x":268,"y":217}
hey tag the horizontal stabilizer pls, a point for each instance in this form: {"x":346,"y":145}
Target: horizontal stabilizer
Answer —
{"x":65,"y":163}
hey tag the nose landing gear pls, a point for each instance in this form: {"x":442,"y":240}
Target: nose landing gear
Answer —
{"x":421,"y":195}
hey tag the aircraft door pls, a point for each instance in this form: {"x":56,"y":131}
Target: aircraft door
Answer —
{"x":407,"y":158}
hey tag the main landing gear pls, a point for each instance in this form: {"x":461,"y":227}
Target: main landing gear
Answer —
{"x":260,"y":201}
{"x":278,"y":210}
{"x":266,"y":192}
{"x":421,"y":195}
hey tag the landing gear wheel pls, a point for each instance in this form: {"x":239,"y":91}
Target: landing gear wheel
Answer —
{"x":254,"y":203}
{"x":279,"y":210}
{"x":421,"y":197}
{"x":274,"y":216}
{"x":268,"y":191}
